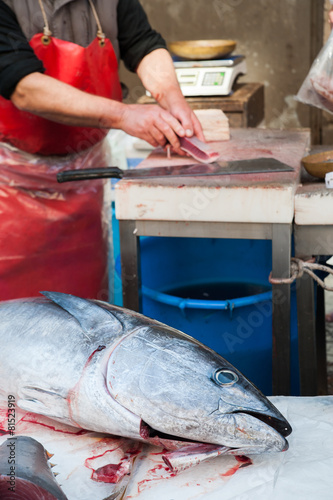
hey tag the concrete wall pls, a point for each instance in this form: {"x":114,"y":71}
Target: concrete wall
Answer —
{"x":274,"y":35}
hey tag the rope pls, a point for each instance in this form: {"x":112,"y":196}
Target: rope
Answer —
{"x":46,"y":30}
{"x":298,"y":267}
{"x":100,"y":33}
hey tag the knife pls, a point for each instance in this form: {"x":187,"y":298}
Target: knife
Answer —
{"x":253,"y":166}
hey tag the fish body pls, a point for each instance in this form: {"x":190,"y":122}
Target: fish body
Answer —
{"x":104,"y":368}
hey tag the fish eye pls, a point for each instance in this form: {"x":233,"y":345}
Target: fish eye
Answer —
{"x":225,"y":377}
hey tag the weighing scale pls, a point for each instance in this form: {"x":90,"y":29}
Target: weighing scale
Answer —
{"x":209,"y":78}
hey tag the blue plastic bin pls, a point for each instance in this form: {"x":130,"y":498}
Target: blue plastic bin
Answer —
{"x":239,"y":327}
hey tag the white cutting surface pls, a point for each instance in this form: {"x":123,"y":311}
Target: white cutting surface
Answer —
{"x":266,"y":197}
{"x":314,"y":204}
{"x":304,"y":472}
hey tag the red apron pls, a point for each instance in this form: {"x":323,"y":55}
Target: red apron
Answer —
{"x":93,"y":69}
{"x":54,"y":237}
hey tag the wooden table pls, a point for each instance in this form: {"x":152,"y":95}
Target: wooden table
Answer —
{"x":251,"y":206}
{"x":244,"y":107}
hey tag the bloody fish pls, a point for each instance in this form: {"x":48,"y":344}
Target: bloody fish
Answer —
{"x":100,"y":367}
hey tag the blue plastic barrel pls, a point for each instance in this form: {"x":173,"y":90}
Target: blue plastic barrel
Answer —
{"x":217,"y":291}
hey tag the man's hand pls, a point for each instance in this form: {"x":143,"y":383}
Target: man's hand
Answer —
{"x":157,"y":73}
{"x":180,"y":109}
{"x":153,"y":124}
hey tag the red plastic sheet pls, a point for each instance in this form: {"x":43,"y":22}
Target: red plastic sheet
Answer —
{"x":52,"y":236}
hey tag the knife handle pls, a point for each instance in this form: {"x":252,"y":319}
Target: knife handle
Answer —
{"x":90,"y":173}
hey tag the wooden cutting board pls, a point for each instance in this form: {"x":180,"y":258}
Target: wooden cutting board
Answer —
{"x":215,"y":124}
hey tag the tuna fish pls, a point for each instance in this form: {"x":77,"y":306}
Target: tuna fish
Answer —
{"x":100,"y":367}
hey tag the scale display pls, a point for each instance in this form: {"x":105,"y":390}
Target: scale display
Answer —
{"x":213,"y":78}
{"x":200,"y":78}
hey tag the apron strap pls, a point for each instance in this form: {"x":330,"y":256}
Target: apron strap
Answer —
{"x":47,"y":32}
{"x":100,"y":33}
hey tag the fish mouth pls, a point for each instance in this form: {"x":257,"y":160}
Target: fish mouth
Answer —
{"x":281,"y":426}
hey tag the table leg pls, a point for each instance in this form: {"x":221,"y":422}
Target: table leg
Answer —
{"x":281,"y":252}
{"x":130,"y":265}
{"x":321,"y":343}
{"x":307,"y":347}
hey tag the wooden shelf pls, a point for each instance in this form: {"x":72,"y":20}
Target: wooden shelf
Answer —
{"x":244,"y":108}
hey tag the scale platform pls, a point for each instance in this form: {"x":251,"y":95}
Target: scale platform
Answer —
{"x":209,"y":78}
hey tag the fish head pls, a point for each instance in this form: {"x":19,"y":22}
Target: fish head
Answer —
{"x":185,"y":392}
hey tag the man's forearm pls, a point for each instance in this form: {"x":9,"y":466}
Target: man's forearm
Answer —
{"x":47,"y":97}
{"x":157,"y":73}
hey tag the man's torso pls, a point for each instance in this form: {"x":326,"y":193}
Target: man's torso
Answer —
{"x":70,"y":20}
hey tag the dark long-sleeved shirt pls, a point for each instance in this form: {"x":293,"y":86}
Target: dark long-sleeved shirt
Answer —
{"x":17,"y":59}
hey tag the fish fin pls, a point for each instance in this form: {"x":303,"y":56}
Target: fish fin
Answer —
{"x":91,"y":317}
{"x":44,"y":402}
{"x":31,"y":405}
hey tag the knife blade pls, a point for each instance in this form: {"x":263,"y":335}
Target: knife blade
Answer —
{"x":252,"y":166}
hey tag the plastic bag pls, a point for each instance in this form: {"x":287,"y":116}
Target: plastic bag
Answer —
{"x":317,"y":88}
{"x":52,"y":236}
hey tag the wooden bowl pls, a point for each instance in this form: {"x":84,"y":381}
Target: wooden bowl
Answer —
{"x":202,"y":49}
{"x":319,"y":164}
